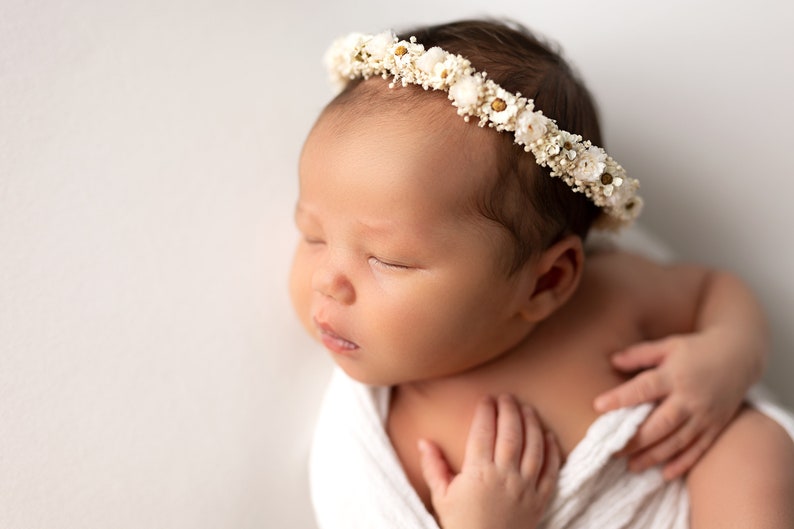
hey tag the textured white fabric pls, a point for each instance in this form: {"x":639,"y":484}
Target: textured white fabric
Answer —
{"x":357,"y":481}
{"x":355,"y":478}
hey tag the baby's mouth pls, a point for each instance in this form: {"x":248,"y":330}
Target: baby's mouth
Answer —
{"x":336,"y":343}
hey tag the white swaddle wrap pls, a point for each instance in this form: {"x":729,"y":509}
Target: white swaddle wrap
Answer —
{"x":357,"y":481}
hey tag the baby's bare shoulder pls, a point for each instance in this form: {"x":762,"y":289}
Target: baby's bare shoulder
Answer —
{"x":615,"y":265}
{"x":612,"y":276}
{"x":665,"y":296}
{"x":631,"y":272}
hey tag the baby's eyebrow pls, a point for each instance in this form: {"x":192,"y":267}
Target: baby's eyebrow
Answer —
{"x":377,"y":227}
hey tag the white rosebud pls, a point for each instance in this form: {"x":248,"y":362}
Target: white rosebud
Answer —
{"x":466,"y":91}
{"x":378,"y":45}
{"x":530,"y":126}
{"x":552,"y":146}
{"x":428,"y":61}
{"x":591,"y":164}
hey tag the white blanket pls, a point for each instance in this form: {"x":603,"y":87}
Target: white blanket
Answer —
{"x":357,"y":481}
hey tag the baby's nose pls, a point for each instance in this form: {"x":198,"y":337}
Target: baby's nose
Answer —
{"x":332,"y":282}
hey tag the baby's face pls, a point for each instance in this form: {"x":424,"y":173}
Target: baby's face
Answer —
{"x":395,"y":273}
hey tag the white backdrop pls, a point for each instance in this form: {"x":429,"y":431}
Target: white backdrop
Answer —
{"x":151,"y":373}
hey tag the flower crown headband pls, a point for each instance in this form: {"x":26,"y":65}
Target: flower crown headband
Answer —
{"x":586,"y":168}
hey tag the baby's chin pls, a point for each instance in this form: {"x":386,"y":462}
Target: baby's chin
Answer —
{"x":364,"y":376}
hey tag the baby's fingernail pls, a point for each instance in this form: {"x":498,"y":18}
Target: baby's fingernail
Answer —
{"x":600,"y":404}
{"x":422,"y":445}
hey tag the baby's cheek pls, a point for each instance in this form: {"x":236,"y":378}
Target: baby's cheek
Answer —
{"x":300,"y":289}
{"x":423,"y":323}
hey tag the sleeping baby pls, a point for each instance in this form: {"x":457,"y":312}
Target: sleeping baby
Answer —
{"x":442,"y":213}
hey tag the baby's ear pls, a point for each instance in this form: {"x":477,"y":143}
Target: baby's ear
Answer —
{"x":557,"y":273}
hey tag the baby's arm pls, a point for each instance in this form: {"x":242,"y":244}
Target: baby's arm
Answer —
{"x":745,"y":477}
{"x":699,"y":377}
{"x":508,"y":475}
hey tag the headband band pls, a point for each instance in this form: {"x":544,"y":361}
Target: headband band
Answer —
{"x":584,"y":167}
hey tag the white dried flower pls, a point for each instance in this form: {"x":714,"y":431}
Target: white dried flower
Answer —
{"x":427,"y":62}
{"x":403,"y":58}
{"x":503,"y":107}
{"x":553,"y":146}
{"x":378,"y":46}
{"x":624,"y":205}
{"x":465,"y":93}
{"x":568,"y":144}
{"x":530,"y":126}
{"x":339,"y":59}
{"x":610,"y":183}
{"x":590,"y":165}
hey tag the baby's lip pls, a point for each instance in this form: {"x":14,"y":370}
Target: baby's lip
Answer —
{"x":333,"y":340}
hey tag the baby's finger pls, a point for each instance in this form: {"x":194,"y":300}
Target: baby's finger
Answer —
{"x":509,"y":433}
{"x":662,"y":422}
{"x":684,"y":461}
{"x":532,"y":459}
{"x":645,"y":387}
{"x":665,"y":449}
{"x":435,"y":469}
{"x":640,"y":356}
{"x":551,"y":467}
{"x":480,"y":443}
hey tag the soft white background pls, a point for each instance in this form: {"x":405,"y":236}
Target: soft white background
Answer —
{"x":151,"y":373}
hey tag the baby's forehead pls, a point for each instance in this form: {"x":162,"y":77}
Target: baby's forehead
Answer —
{"x":423,"y":120}
{"x":405,"y":133}
{"x":417,"y":111}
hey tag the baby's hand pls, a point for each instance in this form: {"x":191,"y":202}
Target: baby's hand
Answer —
{"x":698,"y":380}
{"x":509,"y":471}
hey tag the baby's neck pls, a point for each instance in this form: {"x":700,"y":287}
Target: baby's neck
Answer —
{"x":557,"y":374}
{"x":525,"y":371}
{"x":530,"y":358}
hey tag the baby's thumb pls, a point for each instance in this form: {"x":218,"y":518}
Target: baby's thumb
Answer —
{"x":640,"y":356}
{"x":435,"y":469}
{"x":648,"y":386}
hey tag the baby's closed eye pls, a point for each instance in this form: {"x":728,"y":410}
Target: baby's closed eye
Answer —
{"x":387,"y":264}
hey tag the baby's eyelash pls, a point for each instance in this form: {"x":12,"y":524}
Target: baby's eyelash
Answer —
{"x":385,"y":264}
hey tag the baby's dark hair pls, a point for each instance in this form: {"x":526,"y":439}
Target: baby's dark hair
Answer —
{"x":535,"y":209}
